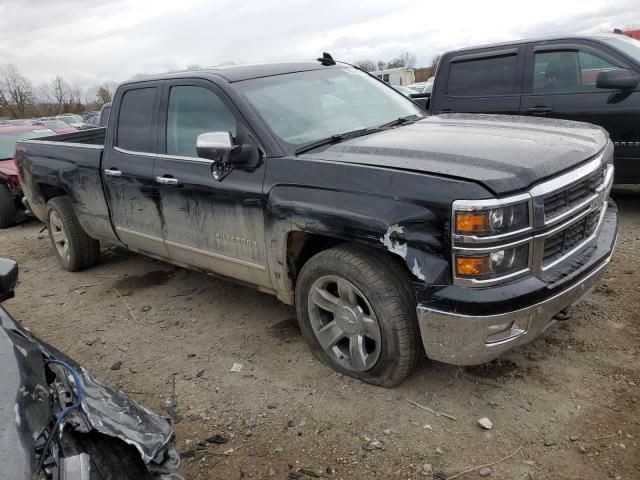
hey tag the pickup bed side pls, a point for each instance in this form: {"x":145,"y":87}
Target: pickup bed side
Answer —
{"x":68,"y":164}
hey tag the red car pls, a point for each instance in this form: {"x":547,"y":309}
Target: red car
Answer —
{"x":56,"y":125}
{"x":10,"y":192}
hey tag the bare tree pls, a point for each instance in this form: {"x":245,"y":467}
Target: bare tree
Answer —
{"x":406,"y":60}
{"x":16,"y":91}
{"x":366,"y":65}
{"x":103,"y":95}
{"x":381,"y":65}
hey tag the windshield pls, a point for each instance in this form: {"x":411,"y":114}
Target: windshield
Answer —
{"x":71,"y":119}
{"x":627,"y":45}
{"x":8,"y":140}
{"x":304,"y":107}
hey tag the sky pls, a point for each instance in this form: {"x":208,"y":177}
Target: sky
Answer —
{"x":89,"y":42}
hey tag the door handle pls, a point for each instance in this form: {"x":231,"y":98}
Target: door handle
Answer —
{"x":166,"y":180}
{"x":112,"y":172}
{"x":540,"y":110}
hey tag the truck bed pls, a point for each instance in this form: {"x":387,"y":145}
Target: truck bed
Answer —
{"x":93,"y":136}
{"x":67,"y":164}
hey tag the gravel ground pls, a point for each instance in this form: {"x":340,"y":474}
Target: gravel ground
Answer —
{"x":567,"y":403}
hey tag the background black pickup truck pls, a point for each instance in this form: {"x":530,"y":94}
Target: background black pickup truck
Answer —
{"x":588,"y":78}
{"x":394,"y":233}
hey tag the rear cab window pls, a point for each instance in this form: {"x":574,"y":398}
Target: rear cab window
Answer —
{"x":487,"y":80}
{"x":497,"y":75}
{"x":134,"y":129}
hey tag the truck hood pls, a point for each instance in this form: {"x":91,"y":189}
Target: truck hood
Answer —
{"x":504,"y":153}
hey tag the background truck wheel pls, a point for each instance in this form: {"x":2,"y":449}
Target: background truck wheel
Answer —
{"x":357,"y":312}
{"x":7,"y":207}
{"x":74,"y":248}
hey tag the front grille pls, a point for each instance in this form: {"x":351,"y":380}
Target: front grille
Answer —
{"x":561,"y":243}
{"x":560,"y":202}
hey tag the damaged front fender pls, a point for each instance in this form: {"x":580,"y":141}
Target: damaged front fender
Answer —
{"x":420,"y":247}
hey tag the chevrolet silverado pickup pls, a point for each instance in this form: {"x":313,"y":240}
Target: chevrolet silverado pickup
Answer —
{"x":395,"y":233}
{"x":591,"y":78}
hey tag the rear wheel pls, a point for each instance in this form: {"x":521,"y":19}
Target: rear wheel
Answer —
{"x":357,"y":313}
{"x":74,"y":248}
{"x":8,"y":209}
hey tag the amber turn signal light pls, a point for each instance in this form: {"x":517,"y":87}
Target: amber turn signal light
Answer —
{"x":472,"y":222}
{"x":473,"y":266}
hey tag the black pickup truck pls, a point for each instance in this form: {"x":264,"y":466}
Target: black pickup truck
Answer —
{"x":396,"y":234}
{"x":589,"y":78}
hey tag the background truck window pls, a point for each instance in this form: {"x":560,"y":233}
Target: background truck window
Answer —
{"x":483,"y":77}
{"x":193,"y":111}
{"x":134,"y":120}
{"x":568,"y":72}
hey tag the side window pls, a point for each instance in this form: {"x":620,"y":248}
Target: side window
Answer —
{"x":134,"y":120}
{"x":568,"y":71}
{"x":193,"y":111}
{"x":484,"y":77}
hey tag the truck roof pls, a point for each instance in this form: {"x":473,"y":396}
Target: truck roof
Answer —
{"x":585,"y":36}
{"x":236,"y":73}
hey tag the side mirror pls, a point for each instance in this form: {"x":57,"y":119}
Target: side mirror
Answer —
{"x":421,"y":101}
{"x":617,"y":79}
{"x":216,"y":146}
{"x":8,"y":278}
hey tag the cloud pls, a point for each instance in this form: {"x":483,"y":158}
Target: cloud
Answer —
{"x":103,"y":40}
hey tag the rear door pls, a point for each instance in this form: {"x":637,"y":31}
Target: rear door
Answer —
{"x":127,"y":169}
{"x":214,"y":225}
{"x":560,"y":82}
{"x":485,"y":81}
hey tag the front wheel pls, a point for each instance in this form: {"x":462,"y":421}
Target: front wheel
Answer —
{"x":358,"y":315}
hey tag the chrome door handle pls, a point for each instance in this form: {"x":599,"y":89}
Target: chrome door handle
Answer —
{"x":113,"y":172}
{"x":167,"y":180}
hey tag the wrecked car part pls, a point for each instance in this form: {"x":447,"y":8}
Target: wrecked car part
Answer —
{"x":31,"y":396}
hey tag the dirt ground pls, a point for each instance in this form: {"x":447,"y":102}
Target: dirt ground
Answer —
{"x":567,"y":403}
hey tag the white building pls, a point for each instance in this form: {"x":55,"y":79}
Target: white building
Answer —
{"x":396,"y":76}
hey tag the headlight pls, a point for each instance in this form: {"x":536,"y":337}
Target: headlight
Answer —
{"x":486,"y":266}
{"x":491,"y":221}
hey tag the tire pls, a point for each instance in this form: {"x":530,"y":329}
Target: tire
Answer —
{"x":355,"y":285}
{"x":111,"y":459}
{"x":8,"y":209}
{"x":74,"y":249}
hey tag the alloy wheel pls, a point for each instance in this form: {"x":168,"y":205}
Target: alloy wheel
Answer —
{"x":344,"y":323}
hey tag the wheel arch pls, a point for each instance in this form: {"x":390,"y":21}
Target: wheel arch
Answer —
{"x":411,"y":238}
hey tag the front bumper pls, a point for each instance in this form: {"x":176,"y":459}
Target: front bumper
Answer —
{"x":452,"y":332}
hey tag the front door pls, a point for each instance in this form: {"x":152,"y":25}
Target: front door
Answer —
{"x":561,"y":83}
{"x":213,"y":225}
{"x":127,"y":170}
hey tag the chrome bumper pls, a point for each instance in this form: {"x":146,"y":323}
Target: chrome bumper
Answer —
{"x":470,"y":340}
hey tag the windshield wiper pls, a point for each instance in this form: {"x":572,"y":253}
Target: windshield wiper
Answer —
{"x":401,"y":121}
{"x":340,"y":137}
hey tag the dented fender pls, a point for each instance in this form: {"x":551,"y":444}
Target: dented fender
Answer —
{"x":409,"y":230}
